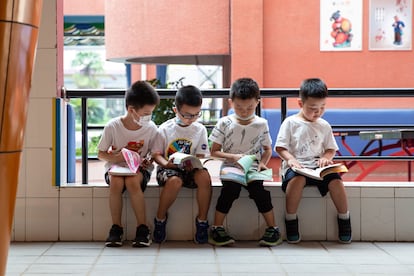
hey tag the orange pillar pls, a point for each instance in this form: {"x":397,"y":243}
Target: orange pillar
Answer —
{"x":19,"y":29}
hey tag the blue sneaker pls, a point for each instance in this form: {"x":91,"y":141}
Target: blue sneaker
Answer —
{"x":160,"y":234}
{"x":201,"y":235}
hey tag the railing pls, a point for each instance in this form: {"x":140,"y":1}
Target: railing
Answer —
{"x":283,"y":94}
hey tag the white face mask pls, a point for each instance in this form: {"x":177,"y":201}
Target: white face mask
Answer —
{"x":244,"y":118}
{"x":143,"y":120}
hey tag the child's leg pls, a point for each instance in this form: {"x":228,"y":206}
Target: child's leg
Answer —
{"x":229,"y":193}
{"x":115,"y":198}
{"x":133,"y":185}
{"x":263,"y":201}
{"x":168,"y":195}
{"x":338,"y":195}
{"x":294,"y":191}
{"x":203,"y":180}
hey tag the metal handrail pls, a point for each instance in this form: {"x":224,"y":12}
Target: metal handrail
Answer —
{"x":282,"y":93}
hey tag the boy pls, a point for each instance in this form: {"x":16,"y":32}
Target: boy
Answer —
{"x":236,"y":135}
{"x":133,"y":131}
{"x":182,"y":134}
{"x":306,"y":140}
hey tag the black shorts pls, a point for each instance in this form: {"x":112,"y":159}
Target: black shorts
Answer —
{"x":186,"y":176}
{"x":321,"y":184}
{"x":146,"y":178}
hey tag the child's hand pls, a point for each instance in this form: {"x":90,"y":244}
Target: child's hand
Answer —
{"x":235,"y":157}
{"x":261,"y":167}
{"x":293,"y":163}
{"x":322,"y":162}
{"x":171,"y":165}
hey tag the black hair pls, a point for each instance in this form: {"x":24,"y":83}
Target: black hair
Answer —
{"x":141,"y":93}
{"x":244,"y":88}
{"x":313,"y":88}
{"x":188,"y":95}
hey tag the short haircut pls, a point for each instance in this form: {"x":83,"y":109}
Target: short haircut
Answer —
{"x":313,"y":88}
{"x":188,"y":95}
{"x":141,"y":93}
{"x":244,"y":88}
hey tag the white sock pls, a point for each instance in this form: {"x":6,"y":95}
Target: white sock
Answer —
{"x":343,"y":216}
{"x":290,"y":216}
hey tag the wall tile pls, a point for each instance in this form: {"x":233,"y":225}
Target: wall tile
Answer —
{"x":42,"y":219}
{"x":39,"y":126}
{"x":377,"y":219}
{"x":75,"y":219}
{"x":44,"y":75}
{"x":39,"y":178}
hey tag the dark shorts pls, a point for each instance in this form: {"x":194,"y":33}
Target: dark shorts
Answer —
{"x":186,"y":176}
{"x":145,"y":180}
{"x":321,"y":184}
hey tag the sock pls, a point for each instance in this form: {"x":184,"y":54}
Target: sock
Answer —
{"x":160,"y":220}
{"x":199,"y":220}
{"x":216,"y":226}
{"x":290,"y":216}
{"x":343,"y":216}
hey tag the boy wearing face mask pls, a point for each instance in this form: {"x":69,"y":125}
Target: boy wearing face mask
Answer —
{"x":134,"y":131}
{"x":234,"y":136}
{"x":182,"y":134}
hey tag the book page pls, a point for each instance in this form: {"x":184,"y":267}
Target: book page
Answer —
{"x":186,"y":160}
{"x":253,"y":175}
{"x":132,"y":158}
{"x":121,"y":171}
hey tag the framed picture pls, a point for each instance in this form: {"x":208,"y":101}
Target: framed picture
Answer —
{"x":390,"y":25}
{"x":340,"y":25}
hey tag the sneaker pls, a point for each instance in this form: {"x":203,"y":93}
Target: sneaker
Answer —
{"x":142,"y":237}
{"x":292,"y":230}
{"x":218,"y":236}
{"x":201,"y":235}
{"x":115,"y":236}
{"x":344,"y":230}
{"x":160,"y":234}
{"x":271,"y":237}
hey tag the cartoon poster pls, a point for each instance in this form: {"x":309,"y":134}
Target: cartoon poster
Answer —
{"x":341,"y":25}
{"x":390,"y":24}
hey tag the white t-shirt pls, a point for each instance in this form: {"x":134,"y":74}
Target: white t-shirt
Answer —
{"x":172,"y":137}
{"x":241,"y":139}
{"x":115,"y":137}
{"x":306,"y":141}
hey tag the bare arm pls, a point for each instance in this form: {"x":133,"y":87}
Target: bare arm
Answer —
{"x":160,"y":160}
{"x":267,"y":153}
{"x":289,"y":158}
{"x":217,"y":152}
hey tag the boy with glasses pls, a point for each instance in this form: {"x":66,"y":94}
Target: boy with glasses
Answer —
{"x":182,"y":134}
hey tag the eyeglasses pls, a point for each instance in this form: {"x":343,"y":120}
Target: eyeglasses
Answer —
{"x":190,"y":116}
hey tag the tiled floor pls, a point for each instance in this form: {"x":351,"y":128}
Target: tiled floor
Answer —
{"x":187,"y":258}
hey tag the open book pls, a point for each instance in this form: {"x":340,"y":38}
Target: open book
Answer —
{"x":319,"y":173}
{"x":132,"y":160}
{"x":184,"y":160}
{"x":244,"y":173}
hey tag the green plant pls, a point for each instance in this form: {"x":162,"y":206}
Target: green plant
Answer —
{"x":90,"y":64}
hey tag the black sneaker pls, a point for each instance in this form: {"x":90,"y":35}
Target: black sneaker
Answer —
{"x":344,"y":230}
{"x":271,"y":237}
{"x":218,"y":236}
{"x":142,"y":237}
{"x":160,"y":234}
{"x":201,"y":235}
{"x":115,"y":236}
{"x":292,"y":230}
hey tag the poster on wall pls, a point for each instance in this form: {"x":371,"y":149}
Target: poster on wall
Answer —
{"x":341,"y":25}
{"x":390,"y":25}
